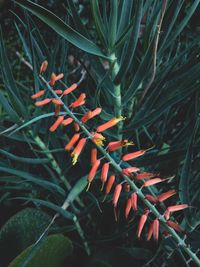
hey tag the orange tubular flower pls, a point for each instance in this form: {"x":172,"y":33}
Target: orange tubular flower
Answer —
{"x":77,"y":150}
{"x":177,"y":207}
{"x":104,"y":173}
{"x":128,"y":207}
{"x":92,"y":172}
{"x":67,"y":121}
{"x":70,"y":89}
{"x":109,"y":124}
{"x":151,"y":198}
{"x":79,"y":102}
{"x":134,"y":201}
{"x":72,"y":142}
{"x":166,"y":215}
{"x":175,"y":226}
{"x":44,"y":66}
{"x":57,"y":110}
{"x":110,"y":183}
{"x":166,"y":195}
{"x":76,"y":127}
{"x":133,"y":155}
{"x":150,"y":232}
{"x":91,"y":114}
{"x":131,"y":169}
{"x":144,"y":175}
{"x":98,"y":139}
{"x":55,"y":78}
{"x":142,"y":222}
{"x":58,"y":92}
{"x":56,"y":123}
{"x":112,"y":146}
{"x":153,"y":181}
{"x":43,"y":102}
{"x":93,"y":155}
{"x":116,"y":194}
{"x":57,"y":101}
{"x":38,"y":94}
{"x":156,"y":229}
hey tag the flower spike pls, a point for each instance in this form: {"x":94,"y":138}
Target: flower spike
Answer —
{"x":109,"y":124}
{"x":77,"y":150}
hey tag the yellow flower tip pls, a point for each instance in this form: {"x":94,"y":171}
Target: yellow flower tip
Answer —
{"x":88,"y":186}
{"x":121,"y":118}
{"x":74,"y":159}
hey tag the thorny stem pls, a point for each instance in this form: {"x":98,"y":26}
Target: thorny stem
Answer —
{"x":180,"y":242}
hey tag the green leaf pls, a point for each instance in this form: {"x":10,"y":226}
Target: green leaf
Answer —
{"x":52,"y":253}
{"x":20,"y":231}
{"x":61,"y":27}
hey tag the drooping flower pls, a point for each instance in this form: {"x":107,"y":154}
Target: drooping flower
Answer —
{"x":144,"y":175}
{"x":166,"y":215}
{"x":43,"y":102}
{"x":116,"y":194}
{"x":156,"y":229}
{"x":109,"y":124}
{"x":43,"y":66}
{"x":142,"y":222}
{"x":79,"y":102}
{"x":55,"y":78}
{"x":58,"y":91}
{"x":98,"y":139}
{"x":112,"y":146}
{"x":110,"y":183}
{"x":92,"y":172}
{"x":175,"y":226}
{"x":150,"y":232}
{"x":57,"y":101}
{"x":77,"y":150}
{"x":57,"y":110}
{"x":70,"y":89}
{"x":76,"y":127}
{"x":38,"y":94}
{"x":72,"y":142}
{"x":151,"y":198}
{"x":104,"y":173}
{"x":134,"y":201}
{"x":93,"y":155}
{"x":133,"y":155}
{"x":166,"y":195}
{"x":177,"y":207}
{"x":90,"y":114}
{"x":67,"y":121}
{"x":56,"y":123}
{"x":153,"y":181}
{"x":129,"y":170}
{"x":128,"y":207}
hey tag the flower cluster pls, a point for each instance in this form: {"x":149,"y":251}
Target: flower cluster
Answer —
{"x":108,"y":174}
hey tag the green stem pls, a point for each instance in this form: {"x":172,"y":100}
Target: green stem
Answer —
{"x":180,"y":242}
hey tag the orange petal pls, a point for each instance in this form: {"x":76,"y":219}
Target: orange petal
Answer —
{"x":134,"y":201}
{"x":109,"y":124}
{"x":56,"y":123}
{"x":142,"y":222}
{"x":166,"y":195}
{"x":150,"y":232}
{"x":43,"y":102}
{"x":133,"y":155}
{"x":38,"y":94}
{"x":67,"y":121}
{"x":166,"y":215}
{"x":177,"y":207}
{"x":175,"y":226}
{"x":112,"y":146}
{"x":93,"y":171}
{"x":144,"y":175}
{"x":79,"y":102}
{"x":72,"y":142}
{"x":93,"y":155}
{"x":128,"y":207}
{"x":156,"y":229}
{"x":70,"y":89}
{"x":77,"y":150}
{"x":58,"y":92}
{"x":110,"y":183}
{"x":151,"y":198}
{"x":57,"y":101}
{"x":116,"y":194}
{"x":153,"y":181}
{"x":104,"y":173}
{"x":90,"y":114}
{"x":76,"y":127}
{"x":57,"y":110}
{"x":44,"y":66}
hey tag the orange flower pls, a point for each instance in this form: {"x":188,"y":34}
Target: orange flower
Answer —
{"x":142,"y":222}
{"x":104,"y":173}
{"x":128,"y":207}
{"x":150,"y":232}
{"x":72,"y":142}
{"x":134,"y":201}
{"x":116,"y":194}
{"x":79,"y":102}
{"x":57,"y":110}
{"x":70,"y":89}
{"x":57,"y":101}
{"x":131,"y":169}
{"x":67,"y":121}
{"x":110,"y":183}
{"x":55,"y":78}
{"x":56,"y":123}
{"x":156,"y":229}
{"x":93,"y":155}
{"x":43,"y":102}
{"x":153,"y":181}
{"x":166,"y":215}
{"x":44,"y":66}
{"x":109,"y":124}
{"x":112,"y":146}
{"x":58,"y":92}
{"x":151,"y":198}
{"x":175,"y":226}
{"x":166,"y":195}
{"x":76,"y":127}
{"x":144,"y":175}
{"x":77,"y":150}
{"x":98,"y":139}
{"x":38,"y":94}
{"x":92,"y":172}
{"x":177,"y":207}
{"x":90,"y":114}
{"x":133,"y":155}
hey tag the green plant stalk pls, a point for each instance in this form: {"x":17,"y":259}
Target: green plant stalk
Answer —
{"x":180,"y":242}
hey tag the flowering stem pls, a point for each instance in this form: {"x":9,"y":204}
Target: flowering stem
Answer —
{"x":180,"y":242}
